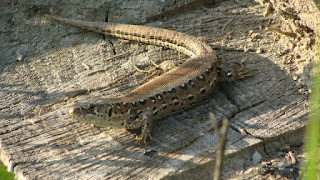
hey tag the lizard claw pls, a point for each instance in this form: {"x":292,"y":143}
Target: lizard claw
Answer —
{"x":146,"y":128}
{"x":244,"y":74}
{"x":143,"y":138}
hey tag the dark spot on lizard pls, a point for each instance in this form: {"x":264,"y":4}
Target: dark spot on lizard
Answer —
{"x":175,"y":100}
{"x":153,"y":99}
{"x":190,"y":49}
{"x":211,"y":68}
{"x":159,"y":96}
{"x":208,"y":71}
{"x":155,"y":112}
{"x":183,"y":86}
{"x":202,"y":90}
{"x":173,"y":90}
{"x":190,"y":97}
{"x":107,"y":31}
{"x":201,"y":77}
{"x":110,"y":112}
{"x":164,"y":106}
{"x":143,"y":102}
{"x":191,"y":83}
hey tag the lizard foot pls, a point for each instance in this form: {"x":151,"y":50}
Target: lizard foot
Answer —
{"x":142,"y":139}
{"x":235,"y":75}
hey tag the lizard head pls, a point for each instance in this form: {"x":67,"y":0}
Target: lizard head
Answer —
{"x":99,"y":114}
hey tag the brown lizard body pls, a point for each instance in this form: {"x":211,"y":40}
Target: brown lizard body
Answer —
{"x":170,"y":92}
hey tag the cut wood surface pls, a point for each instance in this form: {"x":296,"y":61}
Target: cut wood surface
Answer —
{"x":47,"y":66}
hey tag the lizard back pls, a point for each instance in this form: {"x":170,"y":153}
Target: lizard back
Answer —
{"x":165,"y":94}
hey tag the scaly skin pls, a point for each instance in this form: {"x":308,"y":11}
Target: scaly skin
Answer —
{"x":172,"y":91}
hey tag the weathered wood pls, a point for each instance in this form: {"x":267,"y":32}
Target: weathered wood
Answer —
{"x":43,"y":73}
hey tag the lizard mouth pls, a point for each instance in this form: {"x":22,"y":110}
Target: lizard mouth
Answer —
{"x":73,"y":110}
{"x":81,"y":113}
{"x":76,"y":111}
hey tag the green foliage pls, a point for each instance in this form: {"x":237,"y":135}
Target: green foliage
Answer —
{"x":312,"y":146}
{"x":4,"y":174}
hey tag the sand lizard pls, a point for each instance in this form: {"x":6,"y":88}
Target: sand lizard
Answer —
{"x":170,"y":92}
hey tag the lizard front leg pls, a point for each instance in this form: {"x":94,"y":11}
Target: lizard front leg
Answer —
{"x":145,"y":121}
{"x":146,"y":129}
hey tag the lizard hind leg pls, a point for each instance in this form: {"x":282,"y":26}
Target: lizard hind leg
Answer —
{"x":234,"y":75}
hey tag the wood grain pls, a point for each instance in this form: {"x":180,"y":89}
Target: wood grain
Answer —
{"x":42,"y":75}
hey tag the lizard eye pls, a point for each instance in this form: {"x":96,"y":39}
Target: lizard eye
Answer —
{"x":91,"y":107}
